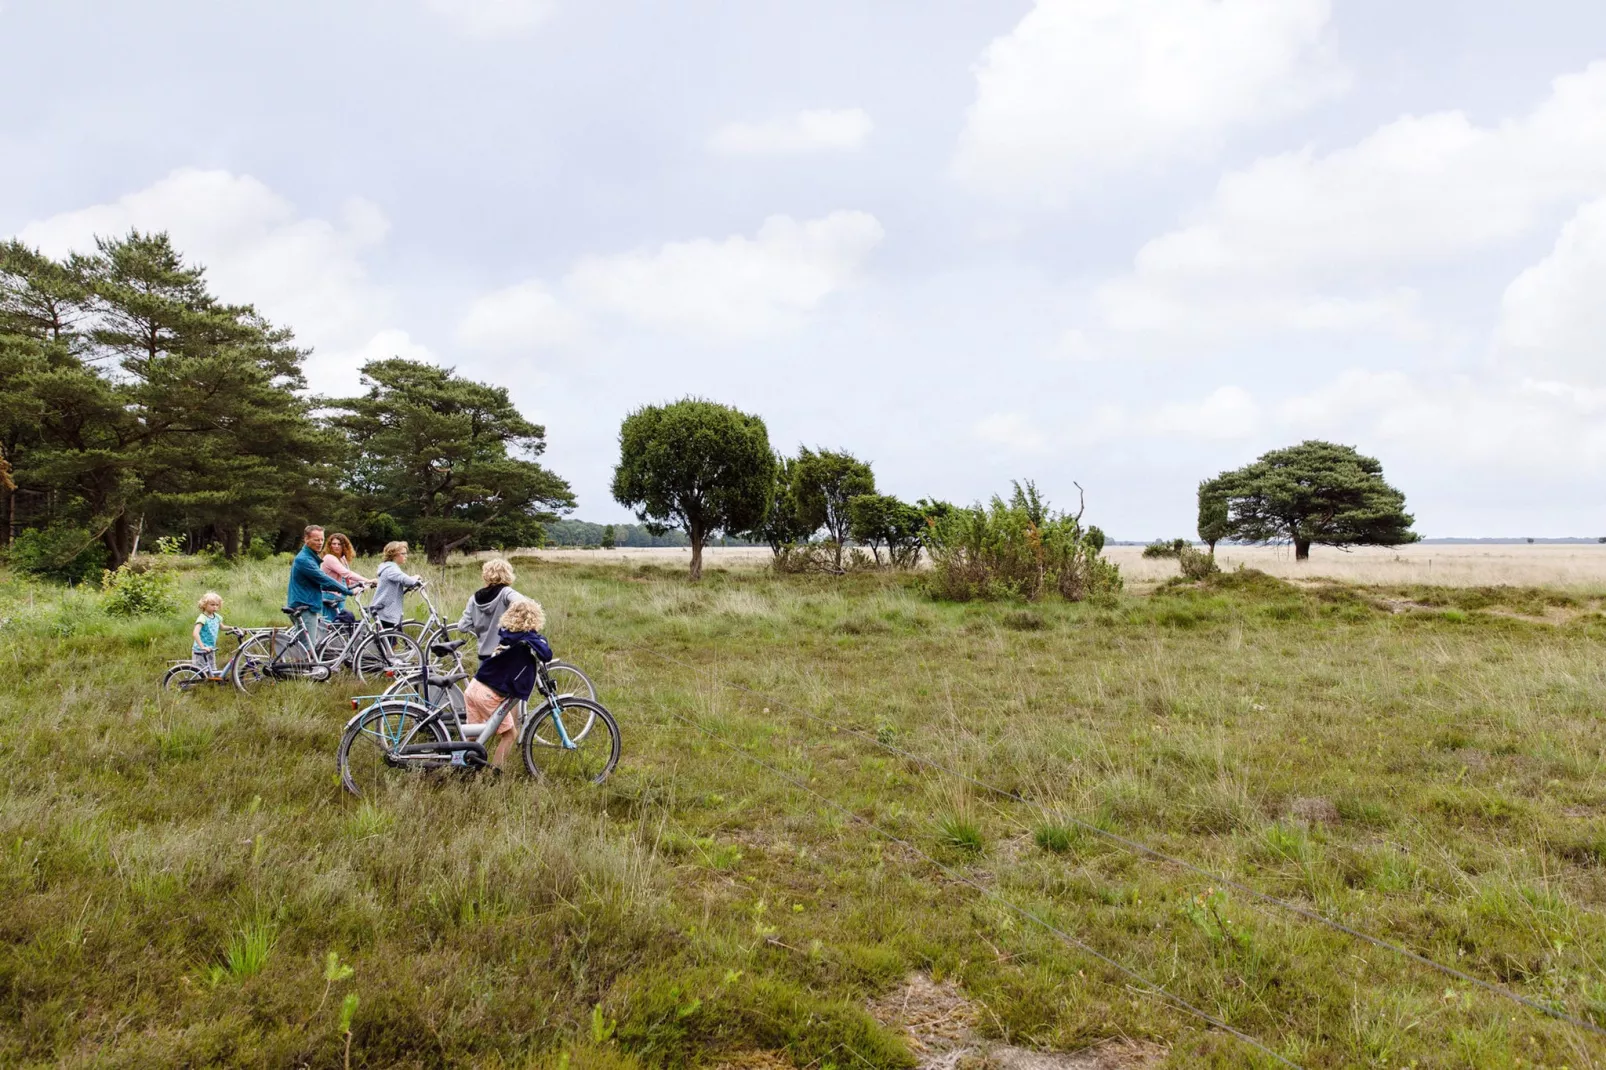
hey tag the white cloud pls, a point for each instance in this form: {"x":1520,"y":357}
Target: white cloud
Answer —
{"x":1553,"y":315}
{"x":1225,"y":413}
{"x":1458,"y":422}
{"x":524,"y":316}
{"x":1298,"y":230}
{"x":733,"y":288}
{"x":488,"y":19}
{"x":1083,"y":88}
{"x":814,"y":130}
{"x":304,"y":273}
{"x":1011,"y":430}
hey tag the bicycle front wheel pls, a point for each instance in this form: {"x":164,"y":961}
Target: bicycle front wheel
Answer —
{"x":569,"y":680}
{"x":387,"y":654}
{"x":370,"y":765}
{"x":553,"y":752}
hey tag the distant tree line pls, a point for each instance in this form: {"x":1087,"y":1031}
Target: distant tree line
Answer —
{"x":624,"y":536}
{"x":134,"y":404}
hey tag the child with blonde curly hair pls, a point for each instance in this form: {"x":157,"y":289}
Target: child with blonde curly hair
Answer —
{"x":510,"y":672}
{"x":203,"y":647}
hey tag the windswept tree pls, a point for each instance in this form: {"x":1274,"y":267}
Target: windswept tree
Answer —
{"x":782,"y":526}
{"x":1214,"y":522}
{"x":450,"y":459}
{"x":696,"y":465}
{"x":1313,"y":493}
{"x":823,"y":482}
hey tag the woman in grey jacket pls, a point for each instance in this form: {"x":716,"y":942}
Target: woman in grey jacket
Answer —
{"x":482,"y":616}
{"x":393,"y":584}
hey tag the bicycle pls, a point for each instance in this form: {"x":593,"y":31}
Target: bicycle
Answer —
{"x":436,"y":686}
{"x":401,"y":733}
{"x":187,"y":675}
{"x":369,"y":648}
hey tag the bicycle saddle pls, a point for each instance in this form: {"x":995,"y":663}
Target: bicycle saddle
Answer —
{"x":287,"y":611}
{"x":446,"y":648}
{"x":449,"y":678}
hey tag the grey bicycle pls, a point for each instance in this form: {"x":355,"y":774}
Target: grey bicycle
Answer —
{"x":370,"y":649}
{"x":396,"y":739}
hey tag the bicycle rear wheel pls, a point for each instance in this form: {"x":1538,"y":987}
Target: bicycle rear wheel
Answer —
{"x":369,"y":764}
{"x":587,"y":759}
{"x":386,"y":655}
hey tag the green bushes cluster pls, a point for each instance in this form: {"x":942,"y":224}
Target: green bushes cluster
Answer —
{"x":60,"y":552}
{"x":128,"y":592}
{"x":1017,"y":549}
{"x":1163,"y":548}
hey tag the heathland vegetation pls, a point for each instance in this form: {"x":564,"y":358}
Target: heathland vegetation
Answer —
{"x":1421,"y":763}
{"x":868,"y":813}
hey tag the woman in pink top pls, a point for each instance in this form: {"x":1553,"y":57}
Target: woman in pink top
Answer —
{"x":337,"y":562}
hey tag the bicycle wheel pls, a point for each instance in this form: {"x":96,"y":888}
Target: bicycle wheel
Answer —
{"x":369,"y":765}
{"x":337,"y":645}
{"x":387,"y":654}
{"x":183,"y":678}
{"x":588,"y":759}
{"x":251,"y":664}
{"x":569,"y":680}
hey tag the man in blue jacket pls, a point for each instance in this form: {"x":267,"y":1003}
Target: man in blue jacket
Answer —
{"x":308,"y":581}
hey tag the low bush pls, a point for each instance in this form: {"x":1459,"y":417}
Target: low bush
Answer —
{"x":1196,"y":564}
{"x":131,"y":593}
{"x":1017,"y":549}
{"x":59,"y":552}
{"x":1163,"y":548}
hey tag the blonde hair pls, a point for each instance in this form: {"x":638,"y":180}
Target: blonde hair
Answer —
{"x":524,"y":615}
{"x":329,"y":547}
{"x":496,"y":570}
{"x":207,"y":599}
{"x":394,"y":548}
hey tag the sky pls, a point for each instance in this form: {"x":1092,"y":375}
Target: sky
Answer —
{"x":1121,"y":244}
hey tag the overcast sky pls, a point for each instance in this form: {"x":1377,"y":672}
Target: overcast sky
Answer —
{"x":1126,"y":243}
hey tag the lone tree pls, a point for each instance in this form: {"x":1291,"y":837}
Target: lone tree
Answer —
{"x":1315,"y":492}
{"x":449,"y":458}
{"x":823,"y":482}
{"x":696,"y":465}
{"x":1214,"y":522}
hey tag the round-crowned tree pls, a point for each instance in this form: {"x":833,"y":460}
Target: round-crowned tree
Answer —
{"x":696,"y":465}
{"x":1315,"y":492}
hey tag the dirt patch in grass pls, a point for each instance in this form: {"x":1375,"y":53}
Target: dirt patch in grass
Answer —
{"x":939,"y":1022}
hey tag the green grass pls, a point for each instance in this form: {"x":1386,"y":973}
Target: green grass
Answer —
{"x":178,"y":869}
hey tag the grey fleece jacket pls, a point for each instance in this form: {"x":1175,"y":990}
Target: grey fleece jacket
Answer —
{"x":483,"y":620}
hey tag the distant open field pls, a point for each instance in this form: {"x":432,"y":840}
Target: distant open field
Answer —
{"x":1452,"y":565}
{"x":1424,"y":764}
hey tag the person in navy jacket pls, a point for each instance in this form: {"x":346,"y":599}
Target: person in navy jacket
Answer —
{"x":509,"y":673}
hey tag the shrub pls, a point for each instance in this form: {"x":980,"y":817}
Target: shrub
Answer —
{"x":1196,"y":564}
{"x":59,"y":552}
{"x":259,"y":549}
{"x":1017,"y":549}
{"x":128,"y":593}
{"x":1163,"y":548}
{"x":809,"y":557}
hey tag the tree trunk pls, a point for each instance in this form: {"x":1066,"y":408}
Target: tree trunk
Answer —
{"x":231,"y":542}
{"x":435,"y":550}
{"x":1301,"y":549}
{"x":697,"y":538}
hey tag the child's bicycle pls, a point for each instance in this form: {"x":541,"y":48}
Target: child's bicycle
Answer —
{"x":189,"y":675}
{"x":445,"y":676}
{"x":409,"y":733}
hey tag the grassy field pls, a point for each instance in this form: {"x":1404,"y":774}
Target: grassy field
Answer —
{"x":1424,"y":763}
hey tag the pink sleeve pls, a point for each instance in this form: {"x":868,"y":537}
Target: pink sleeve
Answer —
{"x":336,"y":568}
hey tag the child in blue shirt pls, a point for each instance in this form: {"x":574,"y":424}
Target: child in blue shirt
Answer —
{"x":207,"y":625}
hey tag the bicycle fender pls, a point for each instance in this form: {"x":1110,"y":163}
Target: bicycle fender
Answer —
{"x":414,"y":706}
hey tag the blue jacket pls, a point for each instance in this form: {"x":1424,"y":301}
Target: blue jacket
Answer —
{"x":308,"y":581}
{"x":511,"y":670}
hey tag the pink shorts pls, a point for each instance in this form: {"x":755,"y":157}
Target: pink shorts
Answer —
{"x":480,"y":703}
